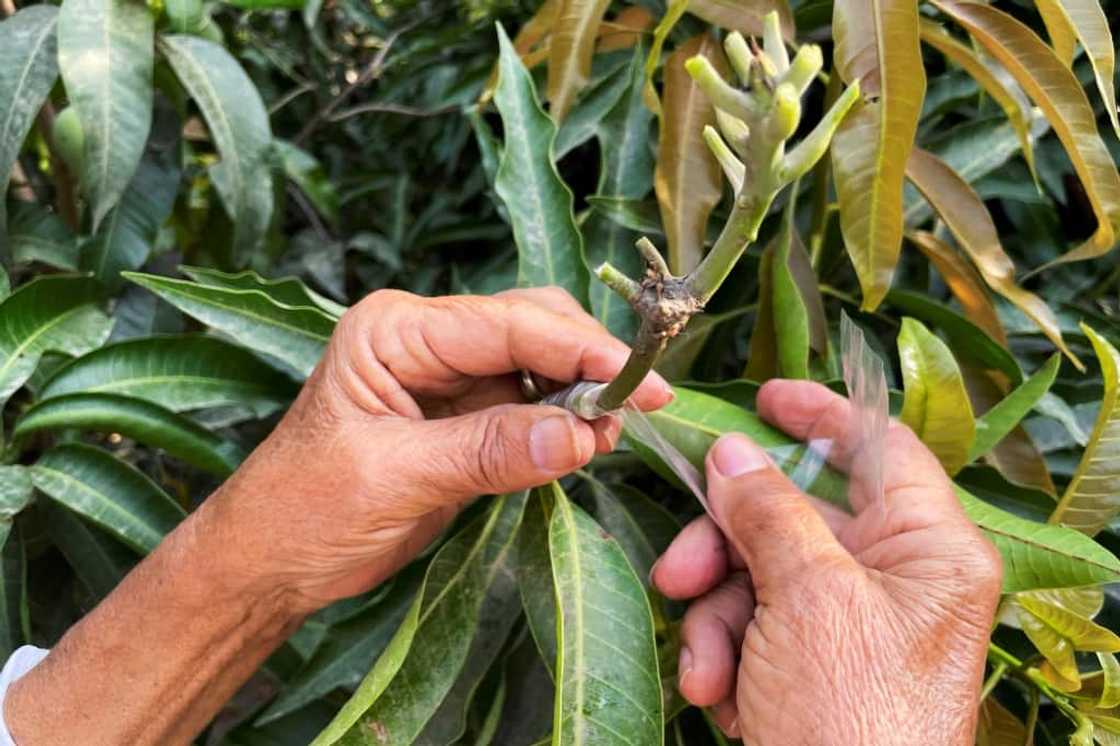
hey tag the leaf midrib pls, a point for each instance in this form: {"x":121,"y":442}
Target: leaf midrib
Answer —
{"x":32,"y":58}
{"x":101,"y":497}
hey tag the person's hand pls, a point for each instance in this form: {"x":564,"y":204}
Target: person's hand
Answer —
{"x":415,"y":409}
{"x":810,"y":626}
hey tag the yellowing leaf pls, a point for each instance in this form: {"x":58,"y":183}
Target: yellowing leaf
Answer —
{"x":1070,"y":21}
{"x":1092,"y":498}
{"x":1056,"y":91}
{"x":1081,"y":633}
{"x":744,"y":16}
{"x":935,"y":405}
{"x":877,"y":45}
{"x":1083,"y":602}
{"x":571,"y":47}
{"x":1057,"y":650}
{"x":965,"y":285}
{"x":1110,"y":690}
{"x":1062,"y":684}
{"x":687,"y":180}
{"x":968,"y":219}
{"x":1011,"y":100}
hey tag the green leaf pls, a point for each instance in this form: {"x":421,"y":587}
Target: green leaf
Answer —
{"x":345,"y":655}
{"x":571,"y":48}
{"x":1004,"y":417}
{"x":295,"y":335}
{"x":534,"y":575}
{"x":798,"y":309}
{"x":108,"y":492}
{"x":99,"y":561}
{"x":13,"y":597}
{"x":181,"y":373}
{"x":308,"y":174}
{"x":586,"y":118}
{"x":185,"y":16}
{"x":28,"y":68}
{"x":877,"y":45}
{"x":105,"y":55}
{"x":38,"y":234}
{"x":1073,"y":632}
{"x":239,"y":125}
{"x":421,"y":664}
{"x":627,"y":170}
{"x":550,"y":249}
{"x":1092,"y":498}
{"x":52,"y":313}
{"x":936,"y":406}
{"x":16,"y":492}
{"x":134,"y":418}
{"x":643,"y":528}
{"x":967,"y":339}
{"x":607,"y":685}
{"x":286,"y":291}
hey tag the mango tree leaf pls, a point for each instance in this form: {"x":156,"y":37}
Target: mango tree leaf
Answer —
{"x":626,"y":173}
{"x":421,"y":664}
{"x":673,"y":13}
{"x":643,"y":528}
{"x":799,"y":320}
{"x":677,"y":360}
{"x":744,"y":16}
{"x":239,"y":125}
{"x":1063,"y":38}
{"x":1071,"y":21}
{"x":1058,"y":632}
{"x":970,"y":222}
{"x":180,"y":372}
{"x":28,"y":68}
{"x":1092,"y":498}
{"x":51,"y":313}
{"x":762,"y":355}
{"x":98,"y":559}
{"x":550,"y":249}
{"x":963,"y":282}
{"x":1110,"y":690}
{"x":107,"y":492}
{"x":584,"y":121}
{"x":687,"y":180}
{"x":13,"y":593}
{"x":625,"y":30}
{"x":1056,"y":91}
{"x":534,"y":575}
{"x":306,"y":172}
{"x":607,"y":685}
{"x":105,"y":55}
{"x":16,"y":492}
{"x":936,"y":406}
{"x":996,"y":726}
{"x":877,"y":45}
{"x":286,"y":291}
{"x":134,"y":418}
{"x":37,"y":234}
{"x":571,"y":47}
{"x":295,"y":335}
{"x":1011,"y":100}
{"x":1004,"y":417}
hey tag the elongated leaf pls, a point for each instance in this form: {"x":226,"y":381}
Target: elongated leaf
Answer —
{"x":28,"y":68}
{"x":936,"y":406}
{"x":1056,"y":91}
{"x":744,"y":16}
{"x":877,"y":45}
{"x":105,"y":54}
{"x":799,"y":321}
{"x":419,"y":667}
{"x":1081,"y":632}
{"x":571,"y":47}
{"x":182,"y":372}
{"x":16,"y":492}
{"x":968,"y":219}
{"x":1063,"y":37}
{"x":13,"y":592}
{"x":762,"y":355}
{"x":308,"y":174}
{"x":673,"y":13}
{"x":107,"y":492}
{"x":534,"y":575}
{"x":550,"y":249}
{"x":52,"y":313}
{"x":98,"y":559}
{"x":625,"y":30}
{"x":286,"y":291}
{"x":643,"y":528}
{"x":1092,"y":498}
{"x":1004,"y":417}
{"x":687,"y":180}
{"x":134,"y":418}
{"x":1110,"y":690}
{"x":626,"y":173}
{"x":295,"y":335}
{"x":963,"y":282}
{"x":585,"y":119}
{"x":239,"y":125}
{"x":607,"y":685}
{"x":37,"y":234}
{"x":996,"y":726}
{"x":1068,"y":21}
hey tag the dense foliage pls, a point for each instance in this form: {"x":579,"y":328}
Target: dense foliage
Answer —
{"x":195,"y":192}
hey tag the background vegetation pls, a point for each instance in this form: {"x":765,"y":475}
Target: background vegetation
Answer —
{"x":186,"y":218}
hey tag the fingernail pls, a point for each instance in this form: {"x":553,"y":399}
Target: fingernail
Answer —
{"x":684,"y":666}
{"x":735,"y":455}
{"x":552,"y":441}
{"x":733,"y":728}
{"x":653,"y":570}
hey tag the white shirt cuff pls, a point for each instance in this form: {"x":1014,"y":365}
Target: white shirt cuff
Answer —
{"x":21,"y":661}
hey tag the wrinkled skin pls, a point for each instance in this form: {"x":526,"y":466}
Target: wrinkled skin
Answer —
{"x":812,"y":626}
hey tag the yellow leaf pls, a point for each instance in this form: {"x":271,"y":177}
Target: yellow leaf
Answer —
{"x":1056,"y":91}
{"x":968,"y":219}
{"x":877,"y":45}
{"x":1092,"y":498}
{"x":571,"y":48}
{"x":1071,"y":21}
{"x":965,"y":285}
{"x":935,"y":405}
{"x":687,"y":180}
{"x":1084,"y":602}
{"x":1057,"y":650}
{"x":1079,"y":632}
{"x":744,"y":16}
{"x":996,"y":726}
{"x":1056,"y":680}
{"x":625,"y":30}
{"x":1110,"y":691}
{"x":1010,"y":99}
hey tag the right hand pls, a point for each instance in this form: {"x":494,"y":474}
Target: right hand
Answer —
{"x":812,"y":626}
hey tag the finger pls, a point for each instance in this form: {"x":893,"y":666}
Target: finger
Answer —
{"x":766,"y":517}
{"x":554,"y":299}
{"x":607,"y":429}
{"x":696,"y":561}
{"x":497,"y":450}
{"x":711,"y":636}
{"x":726,"y":716}
{"x":443,"y":339}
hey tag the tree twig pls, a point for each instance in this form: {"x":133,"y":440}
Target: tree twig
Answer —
{"x":377,"y":108}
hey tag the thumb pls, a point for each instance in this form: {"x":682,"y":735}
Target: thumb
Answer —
{"x":496,"y":450}
{"x":766,"y":517}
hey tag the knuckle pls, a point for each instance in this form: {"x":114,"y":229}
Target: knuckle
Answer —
{"x":491,"y":453}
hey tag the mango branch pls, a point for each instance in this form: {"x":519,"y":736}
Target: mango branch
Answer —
{"x":755,"y":120}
